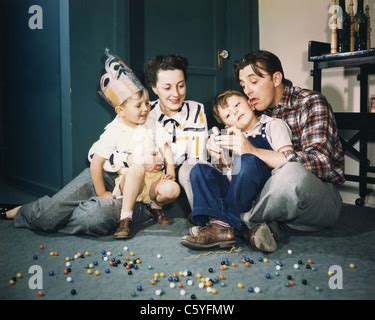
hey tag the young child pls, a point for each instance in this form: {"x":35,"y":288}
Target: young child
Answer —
{"x":219,"y":201}
{"x":130,"y":146}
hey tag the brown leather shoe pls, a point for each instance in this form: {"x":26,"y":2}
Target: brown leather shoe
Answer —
{"x":123,"y":229}
{"x":261,"y":237}
{"x":209,"y":237}
{"x":159,"y":215}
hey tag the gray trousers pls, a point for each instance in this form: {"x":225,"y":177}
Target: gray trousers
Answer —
{"x":295,"y":196}
{"x":184,"y":179}
{"x":75,"y":209}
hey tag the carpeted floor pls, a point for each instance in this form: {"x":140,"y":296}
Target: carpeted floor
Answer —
{"x":351,"y":241}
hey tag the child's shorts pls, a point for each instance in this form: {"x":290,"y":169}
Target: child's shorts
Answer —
{"x":150,"y":179}
{"x":144,"y":196}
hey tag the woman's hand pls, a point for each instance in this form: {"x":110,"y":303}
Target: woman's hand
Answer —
{"x":236,"y":141}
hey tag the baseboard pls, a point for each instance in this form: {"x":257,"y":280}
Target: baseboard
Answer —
{"x":350,"y":192}
{"x":32,"y":187}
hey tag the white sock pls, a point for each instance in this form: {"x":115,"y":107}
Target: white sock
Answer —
{"x":220,"y":223}
{"x":154,"y":205}
{"x":126,"y":214}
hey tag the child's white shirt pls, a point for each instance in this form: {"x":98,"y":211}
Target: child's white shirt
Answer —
{"x":119,"y":140}
{"x":277,"y":131}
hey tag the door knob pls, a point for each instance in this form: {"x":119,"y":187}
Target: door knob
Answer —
{"x":221,"y":55}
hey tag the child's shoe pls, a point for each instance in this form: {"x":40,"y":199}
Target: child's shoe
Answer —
{"x":159,"y":215}
{"x":123,"y":229}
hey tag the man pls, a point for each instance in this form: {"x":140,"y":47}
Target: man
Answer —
{"x":301,"y":192}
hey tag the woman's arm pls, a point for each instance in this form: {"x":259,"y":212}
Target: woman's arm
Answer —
{"x":169,"y":161}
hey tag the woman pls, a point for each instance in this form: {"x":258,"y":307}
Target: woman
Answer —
{"x":184,"y":120}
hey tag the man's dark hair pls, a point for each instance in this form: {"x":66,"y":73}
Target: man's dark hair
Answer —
{"x":260,"y":61}
{"x":165,"y":62}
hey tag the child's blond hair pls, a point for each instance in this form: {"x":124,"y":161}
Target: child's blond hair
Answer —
{"x":137,"y":95}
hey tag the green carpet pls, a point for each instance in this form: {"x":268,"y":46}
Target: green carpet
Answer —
{"x":351,"y":241}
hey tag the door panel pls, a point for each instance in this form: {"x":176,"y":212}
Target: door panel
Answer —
{"x":195,"y":29}
{"x":187,"y":27}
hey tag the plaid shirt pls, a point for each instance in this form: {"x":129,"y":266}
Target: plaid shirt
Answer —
{"x":315,"y":138}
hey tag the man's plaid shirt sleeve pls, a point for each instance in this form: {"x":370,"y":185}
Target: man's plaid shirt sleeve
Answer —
{"x":317,"y":131}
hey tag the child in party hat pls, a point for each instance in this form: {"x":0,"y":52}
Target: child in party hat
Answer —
{"x":133,"y":146}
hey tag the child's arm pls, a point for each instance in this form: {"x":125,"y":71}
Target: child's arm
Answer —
{"x":96,"y":170}
{"x":239,"y":144}
{"x":169,"y":162}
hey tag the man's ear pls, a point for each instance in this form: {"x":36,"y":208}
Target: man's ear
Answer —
{"x":277,"y":78}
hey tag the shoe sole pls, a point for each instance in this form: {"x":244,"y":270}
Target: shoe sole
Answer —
{"x":198,"y":246}
{"x":165,"y":224}
{"x":122,"y":237}
{"x":264,"y":240}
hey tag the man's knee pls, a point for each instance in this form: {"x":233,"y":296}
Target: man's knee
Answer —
{"x":293,"y":184}
{"x":98,"y":217}
{"x":292,"y":175}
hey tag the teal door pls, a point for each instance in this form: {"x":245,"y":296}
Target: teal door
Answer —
{"x":198,"y":29}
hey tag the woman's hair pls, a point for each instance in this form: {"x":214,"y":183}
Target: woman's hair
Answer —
{"x":165,"y":62}
{"x":260,"y":61}
{"x":221,"y":100}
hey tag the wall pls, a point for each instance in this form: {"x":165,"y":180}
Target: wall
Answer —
{"x":32,"y":92}
{"x":286,"y":27}
{"x":94,"y":25}
{"x":51,"y":112}
{"x":2,"y":146}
